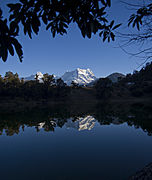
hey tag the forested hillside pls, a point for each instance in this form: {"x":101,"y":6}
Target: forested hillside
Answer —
{"x":138,"y":84}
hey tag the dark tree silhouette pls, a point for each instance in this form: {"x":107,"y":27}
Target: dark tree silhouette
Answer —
{"x":103,"y":88}
{"x":48,"y":80}
{"x":60,"y":83}
{"x":8,"y":39}
{"x":36,"y":78}
{"x":74,"y":84}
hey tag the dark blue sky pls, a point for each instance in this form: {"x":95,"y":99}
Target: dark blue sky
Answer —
{"x":55,"y":56}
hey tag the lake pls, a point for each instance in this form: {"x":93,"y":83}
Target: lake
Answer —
{"x":108,"y":142}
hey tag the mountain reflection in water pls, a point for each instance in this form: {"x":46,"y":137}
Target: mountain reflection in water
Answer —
{"x":79,"y":123}
{"x":76,"y":142}
{"x":137,"y":115}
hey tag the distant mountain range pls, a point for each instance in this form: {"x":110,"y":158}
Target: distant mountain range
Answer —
{"x":32,"y":77}
{"x":79,"y":76}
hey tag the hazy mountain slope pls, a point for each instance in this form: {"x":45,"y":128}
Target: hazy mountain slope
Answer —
{"x":114,"y":77}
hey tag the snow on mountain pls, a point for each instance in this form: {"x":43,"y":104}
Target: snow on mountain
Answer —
{"x":114,"y":77}
{"x":32,"y":77}
{"x":79,"y":76}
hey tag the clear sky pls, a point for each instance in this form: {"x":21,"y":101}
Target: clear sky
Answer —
{"x":68,"y":52}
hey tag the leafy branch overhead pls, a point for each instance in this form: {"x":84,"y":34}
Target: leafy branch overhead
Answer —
{"x":138,"y":18}
{"x":8,"y":41}
{"x":89,"y":15}
{"x":140,"y":39}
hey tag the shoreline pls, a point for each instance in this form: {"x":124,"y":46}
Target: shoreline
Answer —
{"x":19,"y":104}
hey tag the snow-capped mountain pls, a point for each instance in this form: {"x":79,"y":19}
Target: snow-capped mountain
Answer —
{"x":32,"y":77}
{"x":79,"y":76}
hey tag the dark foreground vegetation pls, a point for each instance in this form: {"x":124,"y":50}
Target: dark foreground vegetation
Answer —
{"x":12,"y":86}
{"x":16,"y":92}
{"x":136,"y":85}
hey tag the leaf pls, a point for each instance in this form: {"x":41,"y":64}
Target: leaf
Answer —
{"x":149,"y":5}
{"x":100,"y":34}
{"x":25,"y":29}
{"x":140,"y":21}
{"x":18,"y":48}
{"x":4,"y":54}
{"x":53,"y":33}
{"x":109,"y":2}
{"x":49,"y":25}
{"x":137,"y":24}
{"x":103,"y":2}
{"x":111,"y":24}
{"x":87,"y":30}
{"x":134,"y":23}
{"x":65,"y":25}
{"x":35,"y":24}
{"x":104,"y":36}
{"x":11,"y":50}
{"x":64,"y":31}
{"x":108,"y":39}
{"x":132,"y":17}
{"x":112,"y":36}
{"x":115,"y":27}
{"x":0,"y":13}
{"x":83,"y":32}
{"x":14,"y":28}
{"x":44,"y":18}
{"x":29,"y":30}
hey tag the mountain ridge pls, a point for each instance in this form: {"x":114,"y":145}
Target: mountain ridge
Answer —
{"x":79,"y":76}
{"x":114,"y":77}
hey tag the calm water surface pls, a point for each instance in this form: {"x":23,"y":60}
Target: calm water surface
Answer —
{"x":105,"y":143}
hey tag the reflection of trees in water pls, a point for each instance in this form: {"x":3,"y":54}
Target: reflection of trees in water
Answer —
{"x":137,"y":115}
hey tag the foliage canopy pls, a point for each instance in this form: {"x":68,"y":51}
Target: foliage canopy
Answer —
{"x":89,"y":15}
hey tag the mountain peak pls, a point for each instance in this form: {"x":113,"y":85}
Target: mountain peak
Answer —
{"x":39,"y":74}
{"x":115,"y":76}
{"x":79,"y":76}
